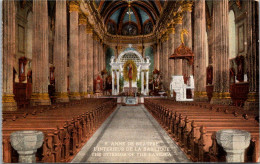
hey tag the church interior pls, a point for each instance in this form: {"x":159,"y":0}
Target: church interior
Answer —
{"x":130,"y":81}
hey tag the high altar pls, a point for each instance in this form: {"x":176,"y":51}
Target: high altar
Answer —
{"x":142,"y":71}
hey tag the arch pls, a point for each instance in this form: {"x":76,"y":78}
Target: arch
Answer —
{"x":129,"y":52}
{"x":232,"y":35}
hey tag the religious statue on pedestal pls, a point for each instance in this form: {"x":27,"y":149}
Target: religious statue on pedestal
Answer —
{"x":130,"y":76}
{"x":130,"y":73}
{"x":98,"y":84}
{"x":157,"y":84}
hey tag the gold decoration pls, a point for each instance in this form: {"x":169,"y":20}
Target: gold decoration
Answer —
{"x":178,"y":19}
{"x":184,"y":31}
{"x":201,"y":95}
{"x":226,"y":95}
{"x":187,"y":6}
{"x":134,"y":69}
{"x":40,"y":96}
{"x":8,"y":98}
{"x":139,"y":48}
{"x":171,"y":30}
{"x":89,"y":29}
{"x":61,"y":94}
{"x":82,"y":94}
{"x":215,"y":95}
{"x":82,"y":19}
{"x":74,"y":6}
{"x":74,"y":94}
{"x":252,"y":97}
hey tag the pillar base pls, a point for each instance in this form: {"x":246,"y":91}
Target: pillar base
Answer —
{"x":74,"y":96}
{"x":40,"y":99}
{"x":8,"y":103}
{"x":61,"y":97}
{"x":200,"y":97}
{"x":221,"y":98}
{"x":252,"y":102}
{"x":84,"y":95}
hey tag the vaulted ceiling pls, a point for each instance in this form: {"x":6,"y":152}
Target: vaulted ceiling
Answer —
{"x":129,"y":17}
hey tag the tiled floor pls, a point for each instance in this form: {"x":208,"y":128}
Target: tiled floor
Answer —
{"x":130,"y":135}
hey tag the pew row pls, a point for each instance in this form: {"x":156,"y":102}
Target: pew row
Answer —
{"x":194,"y":125}
{"x":66,"y":127}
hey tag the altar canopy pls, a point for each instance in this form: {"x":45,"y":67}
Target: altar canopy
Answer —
{"x":142,"y":72}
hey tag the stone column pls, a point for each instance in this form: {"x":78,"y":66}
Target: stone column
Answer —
{"x":142,"y":82}
{"x":171,"y":31}
{"x":221,"y":93}
{"x":200,"y":93}
{"x":252,"y":102}
{"x":8,"y":101}
{"x":74,"y":51}
{"x":117,"y":82}
{"x":234,"y":142}
{"x":166,"y":60}
{"x":186,"y":24}
{"x":103,"y":57}
{"x":60,"y":52}
{"x":164,"y":63}
{"x":90,"y":59}
{"x":147,"y":82}
{"x":83,"y":56}
{"x":100,"y":56}
{"x":113,"y":82}
{"x":177,"y":43}
{"x":161,"y":55}
{"x":157,"y":56}
{"x":95,"y":57}
{"x":40,"y":56}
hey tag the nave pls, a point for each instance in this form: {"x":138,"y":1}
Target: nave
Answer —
{"x":130,"y":135}
{"x":69,"y":64}
{"x":160,"y":130}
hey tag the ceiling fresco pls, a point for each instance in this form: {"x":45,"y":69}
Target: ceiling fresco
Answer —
{"x":129,"y":17}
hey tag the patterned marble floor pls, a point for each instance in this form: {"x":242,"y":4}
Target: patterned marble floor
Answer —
{"x":130,"y":135}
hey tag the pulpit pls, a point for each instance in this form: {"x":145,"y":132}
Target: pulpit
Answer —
{"x":180,"y":88}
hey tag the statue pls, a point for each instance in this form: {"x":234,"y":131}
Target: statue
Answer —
{"x":130,"y":77}
{"x":98,"y":84}
{"x":130,"y":71}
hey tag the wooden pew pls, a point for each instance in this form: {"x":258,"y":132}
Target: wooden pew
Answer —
{"x":187,"y":121}
{"x":65,"y":132}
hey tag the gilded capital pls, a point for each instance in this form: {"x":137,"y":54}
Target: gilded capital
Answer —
{"x":89,"y":29}
{"x":178,"y":19}
{"x":187,"y":6}
{"x":74,"y":6}
{"x":171,"y":30}
{"x":82,"y":19}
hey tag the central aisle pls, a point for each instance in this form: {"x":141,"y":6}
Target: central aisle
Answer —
{"x":130,"y":135}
